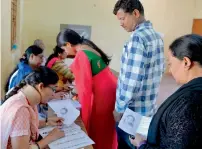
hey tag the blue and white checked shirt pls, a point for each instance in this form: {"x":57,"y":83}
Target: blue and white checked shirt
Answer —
{"x":142,"y":67}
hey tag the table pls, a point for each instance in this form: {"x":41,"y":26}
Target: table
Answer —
{"x":78,"y":122}
{"x":81,"y":124}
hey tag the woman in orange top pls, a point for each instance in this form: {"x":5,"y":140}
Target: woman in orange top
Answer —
{"x":56,"y":62}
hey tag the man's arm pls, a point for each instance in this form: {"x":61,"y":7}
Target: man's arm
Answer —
{"x":130,"y":79}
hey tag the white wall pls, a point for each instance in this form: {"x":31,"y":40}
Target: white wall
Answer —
{"x":198,"y":9}
{"x":44,"y":22}
{"x":8,"y":57}
{"x":42,"y":19}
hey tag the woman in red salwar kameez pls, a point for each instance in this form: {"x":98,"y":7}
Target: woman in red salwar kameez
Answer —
{"x":96,"y":87}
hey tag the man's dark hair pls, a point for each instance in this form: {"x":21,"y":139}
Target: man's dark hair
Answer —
{"x":128,"y":6}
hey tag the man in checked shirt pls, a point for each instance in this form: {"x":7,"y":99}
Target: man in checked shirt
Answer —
{"x":142,"y":65}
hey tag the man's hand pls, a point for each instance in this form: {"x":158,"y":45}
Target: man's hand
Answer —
{"x":117,"y":116}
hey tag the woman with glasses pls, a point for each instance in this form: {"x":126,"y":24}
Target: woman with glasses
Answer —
{"x":19,"y":116}
{"x":177,"y":123}
{"x":31,"y":60}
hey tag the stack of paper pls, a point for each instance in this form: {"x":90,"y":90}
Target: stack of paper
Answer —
{"x":74,"y":137}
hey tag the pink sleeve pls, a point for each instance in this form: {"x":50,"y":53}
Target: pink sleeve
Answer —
{"x":21,"y":123}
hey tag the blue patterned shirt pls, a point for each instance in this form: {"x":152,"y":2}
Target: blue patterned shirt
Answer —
{"x":142,"y":67}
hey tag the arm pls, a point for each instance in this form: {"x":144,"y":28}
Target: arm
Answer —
{"x":20,"y":134}
{"x":42,"y":123}
{"x":51,"y":121}
{"x":63,"y":70}
{"x":22,"y":142}
{"x":131,"y":75}
{"x":183,"y":127}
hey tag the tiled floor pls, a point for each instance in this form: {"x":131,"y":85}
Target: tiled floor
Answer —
{"x":167,"y":87}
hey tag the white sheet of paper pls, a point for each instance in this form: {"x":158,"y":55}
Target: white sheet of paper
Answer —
{"x":65,"y":109}
{"x":74,"y":138}
{"x":133,"y":123}
{"x":76,"y":104}
{"x":44,"y":131}
{"x":130,"y":121}
{"x":144,"y":126}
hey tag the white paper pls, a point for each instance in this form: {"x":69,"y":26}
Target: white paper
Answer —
{"x":44,"y":131}
{"x":133,"y":122}
{"x":130,"y":121}
{"x":65,"y":109}
{"x":76,"y":104}
{"x":74,"y":138}
{"x":144,"y":126}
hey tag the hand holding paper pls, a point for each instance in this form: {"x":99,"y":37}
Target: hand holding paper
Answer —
{"x":74,"y":137}
{"x":133,"y":122}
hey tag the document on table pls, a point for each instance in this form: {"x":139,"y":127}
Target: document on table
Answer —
{"x":76,"y":104}
{"x":44,"y":131}
{"x":133,"y":122}
{"x":65,"y":109}
{"x":74,"y":138}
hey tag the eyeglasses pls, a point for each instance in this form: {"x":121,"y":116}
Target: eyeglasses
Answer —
{"x":40,"y":56}
{"x":52,"y":88}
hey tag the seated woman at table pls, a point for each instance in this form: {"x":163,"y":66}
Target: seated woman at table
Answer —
{"x":56,"y":62}
{"x":19,"y":116}
{"x":31,"y":60}
{"x":177,"y":123}
{"x":96,"y":86}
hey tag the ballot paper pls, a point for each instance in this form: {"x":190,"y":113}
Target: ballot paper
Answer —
{"x":144,"y":126}
{"x":65,"y":109}
{"x":133,"y":122}
{"x":76,"y":104}
{"x":74,"y":137}
{"x":44,"y":131}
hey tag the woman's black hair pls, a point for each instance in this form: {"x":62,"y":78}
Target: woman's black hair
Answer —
{"x":104,"y":56}
{"x":68,"y":35}
{"x":25,"y":58}
{"x":41,"y":75}
{"x":188,"y":46}
{"x":56,"y":51}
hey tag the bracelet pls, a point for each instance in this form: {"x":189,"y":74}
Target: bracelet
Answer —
{"x":37,"y":145}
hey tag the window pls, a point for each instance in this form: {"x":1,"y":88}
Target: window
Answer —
{"x":13,"y":21}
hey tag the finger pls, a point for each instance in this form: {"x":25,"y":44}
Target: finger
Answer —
{"x":59,"y":124}
{"x":55,"y":119}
